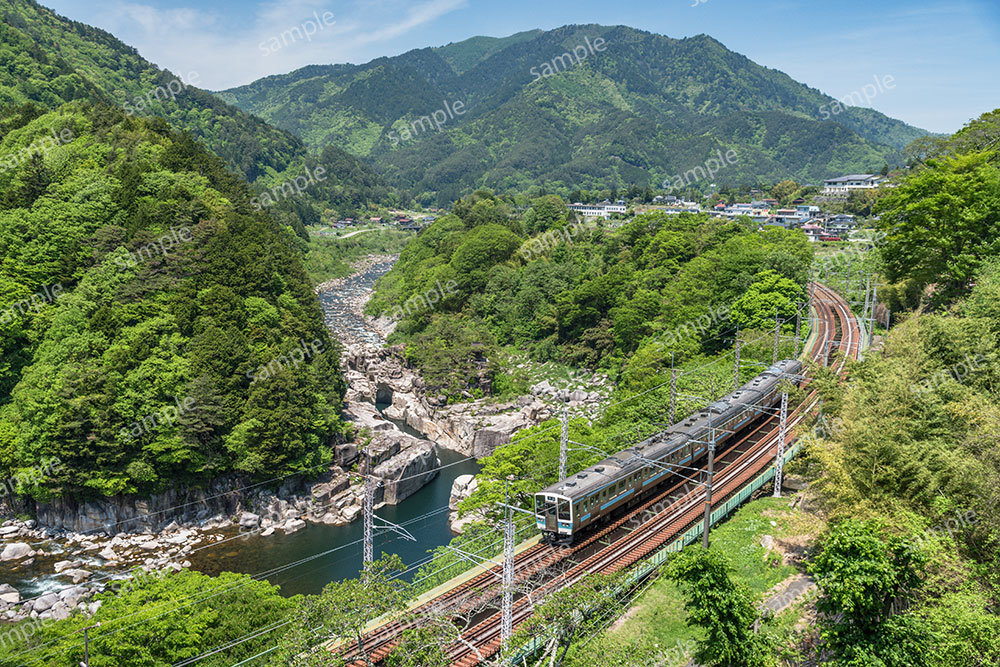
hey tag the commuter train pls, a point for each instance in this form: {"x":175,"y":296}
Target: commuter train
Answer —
{"x":567,"y":508}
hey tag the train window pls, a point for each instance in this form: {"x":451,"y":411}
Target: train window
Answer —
{"x":564,"y":510}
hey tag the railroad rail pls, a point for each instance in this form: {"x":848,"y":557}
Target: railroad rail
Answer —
{"x":657,"y":522}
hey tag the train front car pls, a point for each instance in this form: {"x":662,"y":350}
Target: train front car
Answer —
{"x":554,"y":516}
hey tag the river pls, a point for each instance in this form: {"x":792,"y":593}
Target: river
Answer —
{"x":305,"y":561}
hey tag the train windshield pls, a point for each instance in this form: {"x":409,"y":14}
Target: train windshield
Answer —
{"x":549,"y":509}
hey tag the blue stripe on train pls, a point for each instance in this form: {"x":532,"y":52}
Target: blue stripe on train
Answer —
{"x":617,"y":498}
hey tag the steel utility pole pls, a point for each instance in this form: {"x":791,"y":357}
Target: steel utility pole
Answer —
{"x":708,"y":486}
{"x":868,"y":294}
{"x":507,"y":622}
{"x":736,"y":366}
{"x":779,"y":464}
{"x":874,"y":303}
{"x":86,"y":643}
{"x":563,"y":444}
{"x":368,"y":514}
{"x":673,"y":390}
{"x":798,"y":328}
{"x":777,"y":334}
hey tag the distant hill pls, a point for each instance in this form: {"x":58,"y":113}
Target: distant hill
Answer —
{"x":48,"y":60}
{"x":639,"y":110}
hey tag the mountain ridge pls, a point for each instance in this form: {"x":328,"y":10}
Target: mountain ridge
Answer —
{"x":682,"y":91}
{"x":90,"y":64}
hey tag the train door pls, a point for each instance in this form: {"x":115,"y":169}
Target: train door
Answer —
{"x":549,"y":512}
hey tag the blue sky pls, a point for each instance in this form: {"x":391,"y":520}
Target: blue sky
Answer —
{"x":943,"y":56}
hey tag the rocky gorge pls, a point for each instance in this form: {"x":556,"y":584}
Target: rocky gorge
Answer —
{"x":71,"y":551}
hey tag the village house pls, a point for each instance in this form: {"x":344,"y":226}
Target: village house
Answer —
{"x":813,"y":232}
{"x":844,"y":185}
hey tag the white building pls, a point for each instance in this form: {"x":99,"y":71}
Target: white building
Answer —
{"x":603,"y":210}
{"x":845,"y":184}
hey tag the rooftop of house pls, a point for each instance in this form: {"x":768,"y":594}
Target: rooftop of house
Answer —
{"x":850,"y":177}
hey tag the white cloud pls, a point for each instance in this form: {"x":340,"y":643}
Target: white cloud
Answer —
{"x":416,"y":17}
{"x":227,"y":54}
{"x":152,"y":19}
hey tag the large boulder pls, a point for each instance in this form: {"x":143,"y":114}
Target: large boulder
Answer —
{"x":323,"y":492}
{"x":77,"y":575}
{"x":16,"y":551}
{"x":45,"y":602}
{"x":408,"y":472}
{"x":9,"y":594}
{"x":293,"y":525}
{"x":461,"y":488}
{"x":498,"y":432}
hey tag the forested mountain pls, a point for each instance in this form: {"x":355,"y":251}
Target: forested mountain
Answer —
{"x":635,"y":108}
{"x":154,"y":327}
{"x":49,"y":60}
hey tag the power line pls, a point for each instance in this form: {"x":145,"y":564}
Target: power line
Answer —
{"x":255,"y":577}
{"x":295,"y":564}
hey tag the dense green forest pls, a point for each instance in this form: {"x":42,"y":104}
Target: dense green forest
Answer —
{"x":625,"y":299}
{"x":49,"y":60}
{"x":640,"y":109}
{"x":141,"y":294}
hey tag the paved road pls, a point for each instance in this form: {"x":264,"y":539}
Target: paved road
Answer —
{"x":360,"y":231}
{"x":348,"y":235}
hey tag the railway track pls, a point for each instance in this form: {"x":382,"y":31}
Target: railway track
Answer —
{"x":658,"y":521}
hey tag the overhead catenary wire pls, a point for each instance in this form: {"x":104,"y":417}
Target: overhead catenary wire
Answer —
{"x":256,"y":577}
{"x":255,"y":633}
{"x":252,"y":635}
{"x":704,"y":366}
{"x":113,"y":575}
